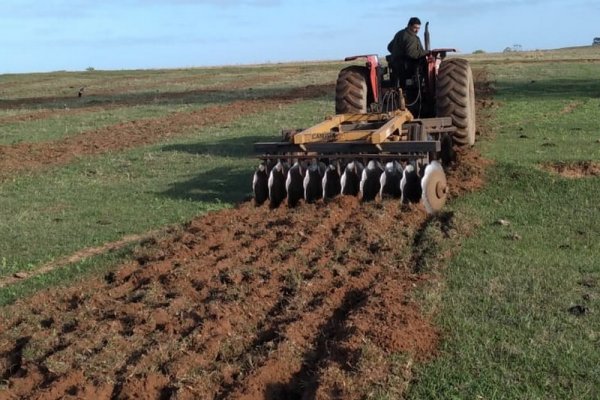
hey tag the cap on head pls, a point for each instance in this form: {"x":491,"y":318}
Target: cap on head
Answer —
{"x":414,"y":21}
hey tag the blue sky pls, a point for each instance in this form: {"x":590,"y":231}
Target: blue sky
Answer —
{"x":51,"y":35}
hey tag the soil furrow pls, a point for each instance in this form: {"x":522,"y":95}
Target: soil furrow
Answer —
{"x":96,"y":101}
{"x":310,"y":340}
{"x":28,"y":157}
{"x":94,"y":98}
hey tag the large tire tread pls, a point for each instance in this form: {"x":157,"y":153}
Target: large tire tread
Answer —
{"x":352,"y":91}
{"x":455,"y":98}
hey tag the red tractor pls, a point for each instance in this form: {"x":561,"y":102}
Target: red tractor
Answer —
{"x":438,"y":87}
{"x":393,"y":132}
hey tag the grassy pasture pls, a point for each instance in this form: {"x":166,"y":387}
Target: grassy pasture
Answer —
{"x":508,"y":301}
{"x":520,"y":302}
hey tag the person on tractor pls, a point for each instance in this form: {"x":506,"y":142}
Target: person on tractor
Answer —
{"x":407,"y":52}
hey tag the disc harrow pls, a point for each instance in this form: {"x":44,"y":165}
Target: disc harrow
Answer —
{"x":372,"y":156}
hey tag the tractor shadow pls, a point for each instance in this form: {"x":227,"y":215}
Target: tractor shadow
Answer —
{"x":238,"y":147}
{"x":220,"y":184}
{"x":216,"y":185}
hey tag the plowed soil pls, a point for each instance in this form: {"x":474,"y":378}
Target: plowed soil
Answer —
{"x":28,"y":157}
{"x":246,"y":303}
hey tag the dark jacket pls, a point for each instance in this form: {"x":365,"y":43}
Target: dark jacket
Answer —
{"x":406,"y":45}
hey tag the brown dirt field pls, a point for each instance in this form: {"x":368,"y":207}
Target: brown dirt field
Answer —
{"x":239,"y":304}
{"x":28,"y":157}
{"x":45,"y":114}
{"x":246,"y":303}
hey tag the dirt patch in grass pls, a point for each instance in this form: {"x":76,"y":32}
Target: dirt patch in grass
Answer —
{"x":98,"y":100}
{"x":569,"y":108}
{"x":28,"y":157}
{"x":574,"y":170}
{"x":123,"y":95}
{"x":45,"y":114}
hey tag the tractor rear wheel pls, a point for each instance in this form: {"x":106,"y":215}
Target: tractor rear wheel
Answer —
{"x":455,"y":98}
{"x":352,"y":91}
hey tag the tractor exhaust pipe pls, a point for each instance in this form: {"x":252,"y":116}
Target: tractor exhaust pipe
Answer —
{"x":427,"y":38}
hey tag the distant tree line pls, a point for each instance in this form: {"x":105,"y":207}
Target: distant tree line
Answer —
{"x":513,"y":48}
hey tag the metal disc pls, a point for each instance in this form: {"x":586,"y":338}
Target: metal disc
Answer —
{"x":435,"y":190}
{"x":260,"y":186}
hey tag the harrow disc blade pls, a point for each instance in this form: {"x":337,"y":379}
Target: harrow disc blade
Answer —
{"x":390,"y":180}
{"x":294,"y":184}
{"x":260,"y":186}
{"x":435,"y":187}
{"x":370,"y":183}
{"x":410,"y":185}
{"x":350,"y":181}
{"x":313,"y":182}
{"x":276,"y":184}
{"x":331,"y":182}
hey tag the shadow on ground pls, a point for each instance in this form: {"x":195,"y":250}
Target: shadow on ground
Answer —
{"x":222,"y":184}
{"x":228,"y":147}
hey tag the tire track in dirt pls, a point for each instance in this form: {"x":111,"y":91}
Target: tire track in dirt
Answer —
{"x":29,"y":157}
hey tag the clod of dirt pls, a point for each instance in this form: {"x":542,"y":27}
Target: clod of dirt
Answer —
{"x":515,"y":236}
{"x":589,"y":282}
{"x":569,"y":108}
{"x":578,"y":310}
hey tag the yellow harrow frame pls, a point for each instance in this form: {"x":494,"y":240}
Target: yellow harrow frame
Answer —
{"x":383,"y":135}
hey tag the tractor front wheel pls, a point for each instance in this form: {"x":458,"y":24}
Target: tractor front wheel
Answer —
{"x":352,"y":91}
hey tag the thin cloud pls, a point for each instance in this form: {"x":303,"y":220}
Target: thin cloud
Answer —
{"x":132,"y":41}
{"x":78,"y":9}
{"x":216,"y":3}
{"x":458,"y":8}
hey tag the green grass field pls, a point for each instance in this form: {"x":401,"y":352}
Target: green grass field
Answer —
{"x":510,"y":297}
{"x":517,"y":304}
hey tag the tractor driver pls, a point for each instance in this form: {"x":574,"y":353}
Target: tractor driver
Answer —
{"x":406,"y":50}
